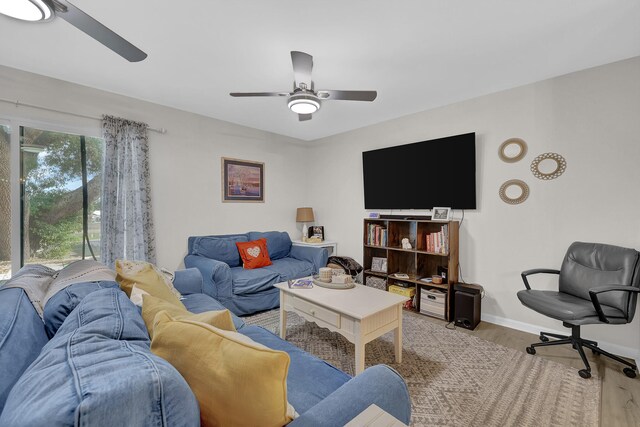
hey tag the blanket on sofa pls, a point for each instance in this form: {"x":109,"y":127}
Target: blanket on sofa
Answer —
{"x":40,"y":282}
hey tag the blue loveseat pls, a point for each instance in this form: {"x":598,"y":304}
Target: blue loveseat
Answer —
{"x":89,"y":363}
{"x":249,"y":291}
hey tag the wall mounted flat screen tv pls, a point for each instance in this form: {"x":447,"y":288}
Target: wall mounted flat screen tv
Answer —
{"x":422,"y":175}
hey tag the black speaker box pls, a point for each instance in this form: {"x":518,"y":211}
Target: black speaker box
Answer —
{"x":467,"y":309}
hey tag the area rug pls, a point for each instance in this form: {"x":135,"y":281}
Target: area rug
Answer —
{"x":456,"y":379}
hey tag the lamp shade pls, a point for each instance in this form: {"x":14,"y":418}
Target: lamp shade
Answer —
{"x":304,"y":215}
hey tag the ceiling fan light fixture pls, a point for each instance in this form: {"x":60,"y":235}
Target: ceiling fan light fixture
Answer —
{"x":303,"y":104}
{"x":27,"y":10}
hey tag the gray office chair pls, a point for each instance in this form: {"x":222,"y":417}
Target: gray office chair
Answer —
{"x":597,"y":284}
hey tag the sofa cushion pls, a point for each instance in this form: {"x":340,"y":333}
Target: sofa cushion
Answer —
{"x":221,"y":248}
{"x":22,"y":336}
{"x":198,"y":303}
{"x":146,"y":277}
{"x":253,"y":281}
{"x":237,"y":381}
{"x":278,"y":242}
{"x":98,"y":370}
{"x":254,"y":254}
{"x":151,"y":306}
{"x":310,"y":379}
{"x":62,"y":303}
{"x":290,"y":268}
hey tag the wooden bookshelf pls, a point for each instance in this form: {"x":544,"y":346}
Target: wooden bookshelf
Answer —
{"x":422,"y":260}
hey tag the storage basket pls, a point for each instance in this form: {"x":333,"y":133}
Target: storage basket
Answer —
{"x":376,"y":282}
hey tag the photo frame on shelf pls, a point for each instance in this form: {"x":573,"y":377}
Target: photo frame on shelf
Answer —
{"x":242,"y":181}
{"x":316,"y":232}
{"x":379,"y":264}
{"x":440,"y":214}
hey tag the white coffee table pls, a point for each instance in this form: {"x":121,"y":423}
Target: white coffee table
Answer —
{"x":360,"y":314}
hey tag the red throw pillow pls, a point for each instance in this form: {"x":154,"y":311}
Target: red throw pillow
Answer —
{"x":254,"y":254}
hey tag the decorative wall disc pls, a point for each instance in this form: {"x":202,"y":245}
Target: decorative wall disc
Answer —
{"x":524,"y":189}
{"x":561,"y":165}
{"x":502,"y":151}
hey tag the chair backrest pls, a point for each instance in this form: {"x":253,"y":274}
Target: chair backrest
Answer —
{"x":589,"y":265}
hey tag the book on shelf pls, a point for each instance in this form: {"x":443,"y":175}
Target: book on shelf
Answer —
{"x":376,"y":235}
{"x":439,"y":242}
{"x":300,"y":284}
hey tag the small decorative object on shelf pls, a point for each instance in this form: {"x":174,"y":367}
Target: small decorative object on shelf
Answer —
{"x":406,"y":244}
{"x":316,"y":232}
{"x":379,"y":264}
{"x":441,"y":214}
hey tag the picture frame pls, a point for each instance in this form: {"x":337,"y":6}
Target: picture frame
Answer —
{"x":242,"y":181}
{"x":441,"y":214}
{"x":379,"y":264}
{"x":316,"y":231}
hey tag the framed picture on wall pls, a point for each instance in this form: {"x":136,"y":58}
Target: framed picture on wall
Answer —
{"x":242,"y":181}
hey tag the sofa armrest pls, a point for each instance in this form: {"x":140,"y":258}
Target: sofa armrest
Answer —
{"x":316,"y":256}
{"x":188,"y":281}
{"x":216,"y":275}
{"x":378,"y":384}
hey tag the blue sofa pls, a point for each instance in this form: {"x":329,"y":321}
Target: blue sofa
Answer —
{"x":97,"y":369}
{"x":249,"y":291}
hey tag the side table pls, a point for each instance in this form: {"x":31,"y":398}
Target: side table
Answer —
{"x":330,"y":245}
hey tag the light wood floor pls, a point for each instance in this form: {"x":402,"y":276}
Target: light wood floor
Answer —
{"x":620,"y":404}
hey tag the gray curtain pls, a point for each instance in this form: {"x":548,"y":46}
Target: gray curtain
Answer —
{"x":127,"y":225}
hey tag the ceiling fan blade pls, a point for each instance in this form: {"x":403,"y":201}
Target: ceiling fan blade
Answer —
{"x":348,"y":95}
{"x":240,"y":94}
{"x":95,"y":29}
{"x":302,"y":66}
{"x":304,"y":117}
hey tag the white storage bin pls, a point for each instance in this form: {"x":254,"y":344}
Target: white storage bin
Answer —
{"x":433,"y":302}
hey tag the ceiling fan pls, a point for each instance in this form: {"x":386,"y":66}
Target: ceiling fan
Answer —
{"x":46,"y":10}
{"x":305,"y":100}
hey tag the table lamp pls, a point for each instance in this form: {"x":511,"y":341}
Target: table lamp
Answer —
{"x":304,"y":215}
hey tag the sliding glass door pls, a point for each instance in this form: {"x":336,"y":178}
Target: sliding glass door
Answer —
{"x":61,"y":181}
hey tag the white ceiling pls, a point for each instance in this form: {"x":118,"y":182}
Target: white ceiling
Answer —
{"x":418,"y":54}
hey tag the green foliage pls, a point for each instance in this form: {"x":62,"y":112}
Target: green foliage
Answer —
{"x":50,"y":175}
{"x":56,"y":241}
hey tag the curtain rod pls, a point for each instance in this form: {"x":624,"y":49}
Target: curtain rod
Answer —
{"x":22,"y":104}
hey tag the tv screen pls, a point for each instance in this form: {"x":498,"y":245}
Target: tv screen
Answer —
{"x":422,"y":175}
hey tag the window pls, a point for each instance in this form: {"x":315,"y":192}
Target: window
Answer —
{"x":60,"y":220}
{"x":5,"y":203}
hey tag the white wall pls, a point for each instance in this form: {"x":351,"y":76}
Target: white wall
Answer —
{"x":592,"y":118}
{"x":185,"y":162}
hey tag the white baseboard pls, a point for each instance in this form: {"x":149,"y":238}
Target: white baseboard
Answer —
{"x":617,"y":349}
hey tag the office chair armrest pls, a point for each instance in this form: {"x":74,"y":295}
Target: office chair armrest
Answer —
{"x":593,"y":294}
{"x":526,"y":273}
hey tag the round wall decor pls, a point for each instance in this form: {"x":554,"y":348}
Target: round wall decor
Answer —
{"x":502,"y":151}
{"x":524,"y":191}
{"x":561,"y":165}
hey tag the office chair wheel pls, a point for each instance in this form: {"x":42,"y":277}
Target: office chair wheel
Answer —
{"x":584,"y":373}
{"x":544,"y":338}
{"x":631,"y":373}
{"x":531,"y":350}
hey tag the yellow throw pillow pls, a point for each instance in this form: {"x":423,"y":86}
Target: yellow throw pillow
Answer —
{"x":151,"y":306}
{"x":237,"y":381}
{"x":147,"y":277}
